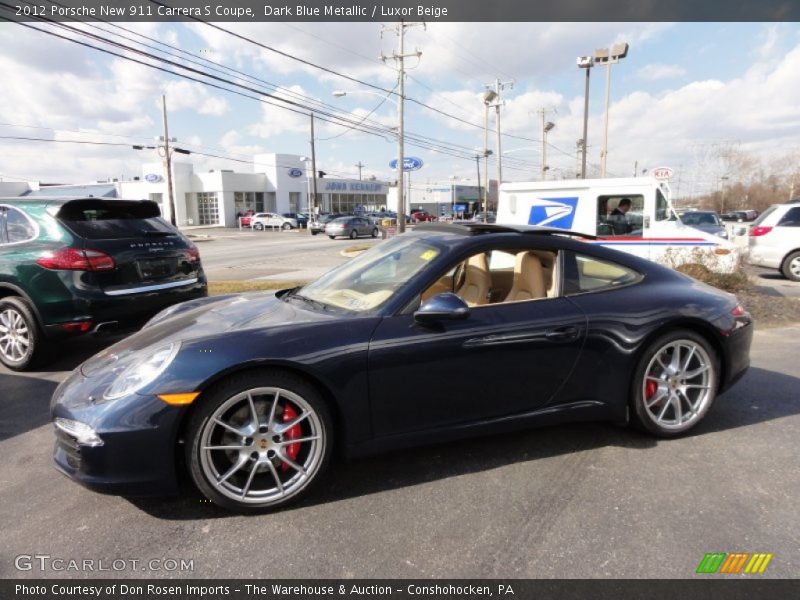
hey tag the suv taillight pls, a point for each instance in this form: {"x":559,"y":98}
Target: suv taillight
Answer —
{"x":75,"y":259}
{"x":194,"y":253}
{"x":760,"y":230}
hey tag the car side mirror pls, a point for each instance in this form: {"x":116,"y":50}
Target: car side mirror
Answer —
{"x":442,"y":307}
{"x":740,"y":231}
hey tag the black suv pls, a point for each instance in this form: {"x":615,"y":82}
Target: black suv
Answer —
{"x":70,"y":266}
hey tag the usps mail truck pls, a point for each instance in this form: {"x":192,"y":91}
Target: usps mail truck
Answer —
{"x":630,"y":214}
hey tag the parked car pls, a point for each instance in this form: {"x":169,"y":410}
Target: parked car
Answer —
{"x":261,"y":221}
{"x":740,"y":216}
{"x":511,"y":326}
{"x":246,"y":218}
{"x":704,"y":220}
{"x":774,"y":239}
{"x":300,"y":218}
{"x":317,"y":225}
{"x":351,"y":227}
{"x":81,"y":265}
{"x":422,"y":216}
{"x":484,"y":217}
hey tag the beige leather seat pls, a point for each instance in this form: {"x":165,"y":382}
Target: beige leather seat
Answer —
{"x":477,"y":281}
{"x":549,"y":266}
{"x":528,"y":279}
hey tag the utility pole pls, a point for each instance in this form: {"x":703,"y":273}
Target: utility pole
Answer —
{"x":168,"y":163}
{"x":399,"y":58}
{"x":478,"y":165}
{"x":314,"y":207}
{"x":499,"y":86}
{"x":546,"y":127}
{"x":586,"y":63}
{"x":360,"y":166}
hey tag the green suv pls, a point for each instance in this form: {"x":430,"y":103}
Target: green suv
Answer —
{"x":72,"y":266}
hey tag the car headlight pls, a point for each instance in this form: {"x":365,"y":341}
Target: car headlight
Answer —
{"x":723,"y":234}
{"x":140,"y":369}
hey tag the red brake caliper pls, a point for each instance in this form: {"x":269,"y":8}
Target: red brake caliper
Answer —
{"x":650,"y":388}
{"x":292,"y":450}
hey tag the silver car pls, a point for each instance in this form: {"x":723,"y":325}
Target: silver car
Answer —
{"x":351,"y":227}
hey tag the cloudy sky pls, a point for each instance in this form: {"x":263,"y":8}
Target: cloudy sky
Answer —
{"x":684,"y":92}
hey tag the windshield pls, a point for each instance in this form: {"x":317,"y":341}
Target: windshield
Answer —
{"x":372,"y":278}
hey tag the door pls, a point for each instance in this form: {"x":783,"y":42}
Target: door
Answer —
{"x":504,"y":359}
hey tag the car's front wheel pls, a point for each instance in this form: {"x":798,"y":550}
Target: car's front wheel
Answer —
{"x":258,"y":226}
{"x":675,"y":383}
{"x":286,"y":226}
{"x":20,"y":340}
{"x":259,"y":440}
{"x":353,"y":234}
{"x":791,"y":266}
{"x":375,"y":232}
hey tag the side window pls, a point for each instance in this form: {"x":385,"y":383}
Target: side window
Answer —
{"x":663,"y":212}
{"x":589,"y":274}
{"x":3,"y":225}
{"x":620,"y":215}
{"x":18,"y":227}
{"x":791,"y":218}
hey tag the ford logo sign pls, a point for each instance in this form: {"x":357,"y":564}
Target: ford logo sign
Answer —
{"x":295,"y":172}
{"x":410,"y":163}
{"x":152,"y":178}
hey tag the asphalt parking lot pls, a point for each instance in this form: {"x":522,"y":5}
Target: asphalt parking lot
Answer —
{"x":588,"y":500}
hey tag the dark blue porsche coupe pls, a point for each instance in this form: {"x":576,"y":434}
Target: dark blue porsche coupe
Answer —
{"x":440,"y":333}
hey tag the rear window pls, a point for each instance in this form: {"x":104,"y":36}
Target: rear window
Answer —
{"x":113,"y":219}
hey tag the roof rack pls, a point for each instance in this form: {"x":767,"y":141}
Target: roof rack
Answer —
{"x":485,"y":228}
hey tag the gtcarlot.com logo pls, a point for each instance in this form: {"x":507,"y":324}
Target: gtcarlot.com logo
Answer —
{"x":46,"y":562}
{"x":734,"y":563}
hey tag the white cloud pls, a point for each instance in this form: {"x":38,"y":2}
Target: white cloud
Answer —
{"x":655,"y":71}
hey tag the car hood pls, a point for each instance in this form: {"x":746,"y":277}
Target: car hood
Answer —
{"x":208,"y":317}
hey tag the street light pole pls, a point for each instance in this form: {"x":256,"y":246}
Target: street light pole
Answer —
{"x":608,"y":56}
{"x":168,"y":163}
{"x":586,"y":63}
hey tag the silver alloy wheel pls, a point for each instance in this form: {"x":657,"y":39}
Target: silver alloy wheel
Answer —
{"x":245,"y":446}
{"x":678,"y":384}
{"x":794,"y":267}
{"x":15,"y":337}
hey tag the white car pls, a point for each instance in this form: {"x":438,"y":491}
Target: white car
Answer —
{"x":774,"y":239}
{"x":260,"y":221}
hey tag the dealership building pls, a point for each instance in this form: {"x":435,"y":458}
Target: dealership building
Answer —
{"x":279,"y":183}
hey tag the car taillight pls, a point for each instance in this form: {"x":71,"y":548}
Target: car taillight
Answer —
{"x":77,"y":327}
{"x":738,"y":311}
{"x":75,"y":259}
{"x":194,"y":253}
{"x":760,"y":230}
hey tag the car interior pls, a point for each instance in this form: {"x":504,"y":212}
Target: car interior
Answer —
{"x":500,"y":276}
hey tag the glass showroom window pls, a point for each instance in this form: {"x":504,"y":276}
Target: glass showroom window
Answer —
{"x":207,"y":208}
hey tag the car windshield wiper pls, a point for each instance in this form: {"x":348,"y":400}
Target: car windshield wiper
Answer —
{"x":153,"y":233}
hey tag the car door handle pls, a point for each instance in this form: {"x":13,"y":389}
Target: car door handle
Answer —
{"x":562,"y":334}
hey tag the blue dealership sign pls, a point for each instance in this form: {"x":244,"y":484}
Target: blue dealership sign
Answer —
{"x":295,"y":172}
{"x":410,"y":163}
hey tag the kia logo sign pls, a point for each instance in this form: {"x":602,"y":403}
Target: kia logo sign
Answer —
{"x":410,"y":163}
{"x":152,"y":178}
{"x":295,"y":172}
{"x":662,"y":173}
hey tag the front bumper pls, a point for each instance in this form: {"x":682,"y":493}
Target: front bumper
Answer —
{"x":138,"y":454}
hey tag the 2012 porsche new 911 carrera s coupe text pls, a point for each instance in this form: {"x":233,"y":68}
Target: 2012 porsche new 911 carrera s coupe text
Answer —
{"x":440,"y":333}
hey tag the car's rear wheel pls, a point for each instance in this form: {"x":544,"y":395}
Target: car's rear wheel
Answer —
{"x":20,"y":339}
{"x":258,"y":226}
{"x":675,"y":383}
{"x":353,"y":234}
{"x":791,"y":266}
{"x":333,"y":237}
{"x":375,"y":232}
{"x":259,"y":441}
{"x":286,"y":226}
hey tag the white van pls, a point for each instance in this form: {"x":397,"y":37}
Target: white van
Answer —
{"x":634,"y":215}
